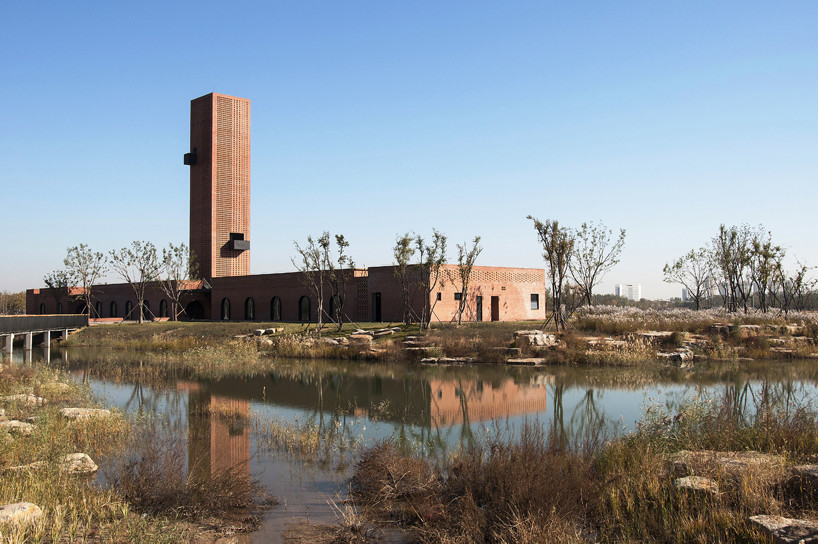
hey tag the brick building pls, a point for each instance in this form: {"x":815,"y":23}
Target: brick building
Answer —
{"x":219,"y":160}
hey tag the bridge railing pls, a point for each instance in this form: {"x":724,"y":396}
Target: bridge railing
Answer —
{"x":13,"y":324}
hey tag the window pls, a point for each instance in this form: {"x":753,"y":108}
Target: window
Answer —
{"x":128,"y":310}
{"x":42,"y":308}
{"x":98,"y":309}
{"x":275,"y":309}
{"x":439,"y":296}
{"x":249,"y":309}
{"x":113,"y":309}
{"x":225,"y":309}
{"x":458,"y":296}
{"x":163,"y":308}
{"x":535,"y":301}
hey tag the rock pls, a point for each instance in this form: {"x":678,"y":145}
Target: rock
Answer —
{"x":535,"y":338}
{"x":361,"y":331}
{"x":528,"y":361}
{"x":18,"y":427}
{"x":20,"y":513}
{"x":2,"y":412}
{"x":455,"y":360}
{"x":259,"y":332}
{"x":697,"y":484}
{"x":386,"y":332}
{"x":37,"y":465}
{"x":360,"y":338}
{"x":429,"y":360}
{"x":678,"y":356}
{"x":342,"y":340}
{"x":808,"y":474}
{"x":265,"y":341}
{"x":737,"y":465}
{"x":720,"y":328}
{"x":83,"y":413}
{"x":787,"y":530}
{"x":395,"y":329}
{"x":24,"y":398}
{"x":78,"y":463}
{"x":273,"y":330}
{"x":329,"y":341}
{"x":746,"y":331}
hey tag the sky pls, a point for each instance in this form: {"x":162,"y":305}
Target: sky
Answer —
{"x":372,"y":119}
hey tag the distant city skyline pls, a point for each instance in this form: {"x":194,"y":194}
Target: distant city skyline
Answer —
{"x":375,"y":119}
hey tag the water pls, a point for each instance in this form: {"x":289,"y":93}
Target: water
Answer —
{"x":434,"y":409}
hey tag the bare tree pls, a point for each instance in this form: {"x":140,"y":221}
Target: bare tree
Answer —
{"x":465,"y":262}
{"x":692,"y":271}
{"x":339,"y":271}
{"x":557,"y":243}
{"x":403,"y":252}
{"x":731,"y":251}
{"x":795,"y":288}
{"x":179,"y":269}
{"x":595,"y":253}
{"x":313,"y":261}
{"x":12,"y":303}
{"x":764,"y":262}
{"x":86,"y":267}
{"x":59,"y":283}
{"x":431,"y":258}
{"x":138,"y":265}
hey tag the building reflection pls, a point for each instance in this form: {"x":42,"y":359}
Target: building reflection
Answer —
{"x":454,"y":402}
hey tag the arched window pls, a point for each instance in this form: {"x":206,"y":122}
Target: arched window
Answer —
{"x":98,"y":309}
{"x":249,"y":309}
{"x":146,"y":310}
{"x":42,"y":308}
{"x":225,"y":309}
{"x":129,"y":310}
{"x":113,"y":309}
{"x":59,"y":307}
{"x":163,"y":308}
{"x":275,"y":309}
{"x":304,"y":308}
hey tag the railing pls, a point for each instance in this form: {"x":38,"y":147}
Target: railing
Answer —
{"x":14,"y":324}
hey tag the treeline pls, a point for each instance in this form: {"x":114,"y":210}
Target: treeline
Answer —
{"x":12,"y":303}
{"x":742,"y":269}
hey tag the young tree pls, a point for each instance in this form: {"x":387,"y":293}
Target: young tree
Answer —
{"x":557,"y":243}
{"x":403,"y":252}
{"x":179,"y":269}
{"x":731,"y":256}
{"x":431,"y":258}
{"x":595,"y":253}
{"x":465,"y":262}
{"x":86,"y":267}
{"x":692,"y":272}
{"x":764,"y":261}
{"x":795,"y":288}
{"x":138,"y":265}
{"x":339,"y":271}
{"x":313,"y":261}
{"x":59,"y":283}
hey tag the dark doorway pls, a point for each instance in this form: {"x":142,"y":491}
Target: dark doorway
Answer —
{"x":163,"y":308}
{"x":98,"y":309}
{"x":129,"y":310}
{"x":478,"y":315}
{"x":194,"y":310}
{"x":113,"y":309}
{"x":495,"y":308}
{"x":275,"y":309}
{"x":147,"y":315}
{"x":376,"y":307}
{"x":304,"y":309}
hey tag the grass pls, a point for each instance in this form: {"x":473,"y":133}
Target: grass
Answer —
{"x":535,"y":487}
{"x":74,"y":509}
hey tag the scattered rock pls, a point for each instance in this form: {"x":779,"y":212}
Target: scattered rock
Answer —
{"x":273,"y":330}
{"x":760,"y":467}
{"x":395,"y":329}
{"x":37,"y":465}
{"x":78,"y":463}
{"x":746,"y":331}
{"x":808,"y":474}
{"x":535,"y":338}
{"x":20,"y":513}
{"x":697,"y":484}
{"x":528,"y":361}
{"x":456,"y":360}
{"x":83,"y":413}
{"x":382,"y":333}
{"x":429,"y":360}
{"x":25,"y":398}
{"x":265,"y":341}
{"x":678,"y":356}
{"x":720,"y":328}
{"x":17,"y":427}
{"x":343,"y":340}
{"x":360,"y":338}
{"x":328,"y":341}
{"x":259,"y":332}
{"x":786,"y":530}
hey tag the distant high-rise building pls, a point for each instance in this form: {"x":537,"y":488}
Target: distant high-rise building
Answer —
{"x":628,"y":291}
{"x":219,"y":161}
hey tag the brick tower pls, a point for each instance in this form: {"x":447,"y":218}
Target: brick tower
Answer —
{"x":219,"y":161}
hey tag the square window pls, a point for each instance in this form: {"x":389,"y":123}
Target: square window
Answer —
{"x":458,"y":296}
{"x":535,"y":301}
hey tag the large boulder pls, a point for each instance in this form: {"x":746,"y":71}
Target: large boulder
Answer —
{"x":535,"y":338}
{"x":787,"y":530}
{"x":360,"y":339}
{"x":20,"y":513}
{"x":763,"y":468}
{"x":83,"y":413}
{"x":78,"y":463}
{"x":697,"y":485}
{"x":17,"y":427}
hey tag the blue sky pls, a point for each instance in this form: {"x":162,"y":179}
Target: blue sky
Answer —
{"x":376,"y":118}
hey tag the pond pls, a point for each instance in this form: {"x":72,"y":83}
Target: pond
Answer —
{"x":430,"y":409}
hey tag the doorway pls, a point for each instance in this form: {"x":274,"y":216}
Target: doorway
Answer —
{"x":478,"y":301}
{"x":376,"y":307}
{"x":495,"y":308}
